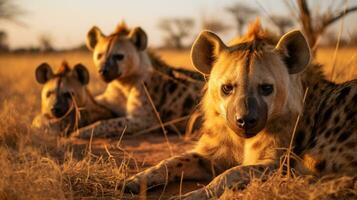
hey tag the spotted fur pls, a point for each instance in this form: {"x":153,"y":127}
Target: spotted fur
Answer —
{"x":139,"y":85}
{"x":66,"y":103}
{"x":231,"y":154}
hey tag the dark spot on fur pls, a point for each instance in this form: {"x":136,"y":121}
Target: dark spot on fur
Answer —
{"x":348,"y":157}
{"x":343,"y":136}
{"x":179,"y":165}
{"x":320,"y":166}
{"x":335,"y":167}
{"x":354,"y":163}
{"x":328,"y":133}
{"x":333,"y":149}
{"x":162,"y":99}
{"x":156,"y":89}
{"x":172,"y":86}
{"x":188,"y":103}
{"x":340,"y":149}
{"x":313,"y":142}
{"x":327,"y":115}
{"x":351,"y":114}
{"x":344,"y":92}
{"x":337,"y":130}
{"x":336,"y":119}
{"x":322,"y":146}
{"x":350,"y":144}
{"x":315,"y":86}
{"x":354,"y":99}
{"x":308,"y":121}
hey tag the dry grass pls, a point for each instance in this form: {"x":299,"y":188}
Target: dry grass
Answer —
{"x":38,"y":166}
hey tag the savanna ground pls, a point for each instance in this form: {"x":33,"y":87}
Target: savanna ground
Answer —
{"x":35,"y":165}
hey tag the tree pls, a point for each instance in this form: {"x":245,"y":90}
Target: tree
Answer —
{"x":242,"y":14}
{"x":214,"y":25}
{"x":282,"y":23}
{"x":176,"y":30}
{"x":10,"y":11}
{"x":3,"y":41}
{"x":45,"y":41}
{"x":315,"y":25}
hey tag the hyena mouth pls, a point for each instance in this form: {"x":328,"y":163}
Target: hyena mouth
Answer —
{"x":247,"y":131}
{"x":110,"y":77}
{"x":244,"y":133}
{"x":109,"y":74}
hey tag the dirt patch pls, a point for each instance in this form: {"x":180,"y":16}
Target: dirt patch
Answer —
{"x":142,"y":152}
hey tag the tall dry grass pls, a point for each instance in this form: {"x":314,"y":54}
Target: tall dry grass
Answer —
{"x":38,"y":166}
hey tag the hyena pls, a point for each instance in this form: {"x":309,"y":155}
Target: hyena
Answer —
{"x":66,"y":103}
{"x":142,"y":90}
{"x":254,"y":96}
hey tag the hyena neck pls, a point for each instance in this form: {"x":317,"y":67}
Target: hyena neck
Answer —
{"x":144,"y":72}
{"x":313,"y":77}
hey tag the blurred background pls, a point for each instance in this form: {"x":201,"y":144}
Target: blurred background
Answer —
{"x":42,"y":25}
{"x":35,"y":165}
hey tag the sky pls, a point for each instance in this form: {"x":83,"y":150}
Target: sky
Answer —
{"x":67,"y":21}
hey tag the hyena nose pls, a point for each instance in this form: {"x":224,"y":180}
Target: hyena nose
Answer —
{"x":246,"y":122}
{"x":58,"y":111}
{"x":103,"y":71}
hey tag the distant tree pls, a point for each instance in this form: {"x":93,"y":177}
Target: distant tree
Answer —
{"x":330,"y":38}
{"x":215,"y":25}
{"x":282,"y":22}
{"x":242,"y":14}
{"x":45,"y":42}
{"x":3,"y":41}
{"x":176,"y":30}
{"x":314,"y":25}
{"x":353,"y":38}
{"x":10,"y":11}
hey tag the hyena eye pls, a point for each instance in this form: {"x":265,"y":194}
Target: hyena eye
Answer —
{"x":49,"y":93}
{"x":227,"y":89}
{"x":118,"y":57}
{"x":266,"y":89}
{"x":99,"y":56}
{"x":67,"y":95}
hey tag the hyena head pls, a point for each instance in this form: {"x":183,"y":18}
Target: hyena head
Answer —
{"x":62,"y":90}
{"x":251,"y":81}
{"x":118,"y":55}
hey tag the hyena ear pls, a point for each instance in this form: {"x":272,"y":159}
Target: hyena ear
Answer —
{"x":139,"y":38}
{"x":93,"y":36}
{"x":43,"y":73}
{"x":81,"y":73}
{"x":295,"y":50}
{"x":205,"y":50}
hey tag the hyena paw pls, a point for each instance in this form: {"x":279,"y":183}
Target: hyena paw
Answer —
{"x":132,"y":185}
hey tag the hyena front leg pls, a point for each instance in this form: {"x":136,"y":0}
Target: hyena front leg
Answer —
{"x":113,"y":127}
{"x":238,"y":176}
{"x":191,"y":166}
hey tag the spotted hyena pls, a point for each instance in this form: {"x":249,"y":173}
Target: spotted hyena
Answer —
{"x":253,"y":99}
{"x":66,"y":103}
{"x":142,"y":90}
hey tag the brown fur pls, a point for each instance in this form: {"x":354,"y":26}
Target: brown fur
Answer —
{"x":326,"y":144}
{"x":131,"y":70}
{"x":65,"y":85}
